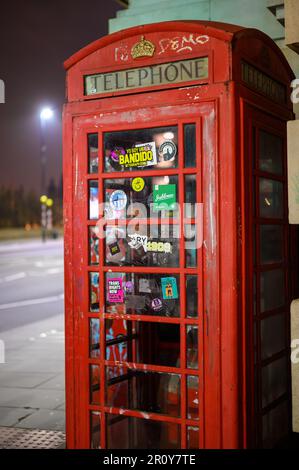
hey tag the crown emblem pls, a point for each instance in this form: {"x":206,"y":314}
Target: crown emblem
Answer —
{"x":143,"y":48}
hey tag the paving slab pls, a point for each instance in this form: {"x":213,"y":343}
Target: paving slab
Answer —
{"x":31,"y":398}
{"x":13,"y":416}
{"x":55,"y":383}
{"x":53,"y":420}
{"x":9,"y":379}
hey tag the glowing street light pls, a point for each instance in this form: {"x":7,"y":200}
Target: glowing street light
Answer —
{"x":46,"y":114}
{"x":49,"y":202}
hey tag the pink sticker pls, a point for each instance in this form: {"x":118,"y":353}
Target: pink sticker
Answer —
{"x":115,"y":290}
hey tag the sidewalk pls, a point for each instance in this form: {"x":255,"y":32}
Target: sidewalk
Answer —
{"x":32,"y":378}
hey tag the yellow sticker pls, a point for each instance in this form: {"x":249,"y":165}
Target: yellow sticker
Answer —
{"x":138,"y":184}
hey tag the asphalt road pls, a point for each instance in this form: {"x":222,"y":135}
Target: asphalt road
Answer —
{"x":31,"y":282}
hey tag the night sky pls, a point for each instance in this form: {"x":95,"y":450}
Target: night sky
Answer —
{"x":36,"y":36}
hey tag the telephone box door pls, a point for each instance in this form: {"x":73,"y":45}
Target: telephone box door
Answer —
{"x":143,"y":202}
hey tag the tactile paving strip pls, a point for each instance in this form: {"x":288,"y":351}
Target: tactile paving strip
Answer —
{"x":16,"y":438}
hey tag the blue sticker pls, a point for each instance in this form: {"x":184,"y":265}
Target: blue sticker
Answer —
{"x":169,"y":288}
{"x":118,"y":200}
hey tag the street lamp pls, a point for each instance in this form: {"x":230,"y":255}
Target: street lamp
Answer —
{"x":46,"y":114}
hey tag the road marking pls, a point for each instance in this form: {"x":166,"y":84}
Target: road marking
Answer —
{"x":13,"y":277}
{"x":25,"y":303}
{"x":54,"y":271}
{"x":48,"y":263}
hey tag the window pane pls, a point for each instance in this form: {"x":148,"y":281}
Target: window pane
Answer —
{"x":275,"y":425}
{"x":94,"y":374}
{"x":152,"y":245}
{"x":94,"y":292}
{"x":143,"y":149}
{"x":117,"y":334}
{"x":192,"y":347}
{"x":94,"y":337}
{"x":190,"y":245}
{"x":93,"y":200}
{"x":192,"y":437}
{"x":93,"y":152}
{"x":190,"y":195}
{"x":271,"y":198}
{"x":272,"y":291}
{"x":158,"y":197}
{"x":153,"y":392}
{"x":271,"y":153}
{"x":274,"y":381}
{"x":190,"y":145}
{"x":192,"y":397}
{"x":144,"y":342}
{"x":191,"y":296}
{"x":95,"y":430}
{"x":93,"y":246}
{"x":273,"y":335}
{"x":142,"y":294}
{"x":271,"y":243}
{"x":125,"y":432}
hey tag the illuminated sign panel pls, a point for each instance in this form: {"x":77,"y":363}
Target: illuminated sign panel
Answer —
{"x":152,"y":75}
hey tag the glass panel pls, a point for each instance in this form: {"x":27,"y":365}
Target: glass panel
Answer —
{"x":271,"y":243}
{"x":192,"y":347}
{"x":125,"y":432}
{"x":272,"y":291}
{"x":275,"y":425}
{"x":271,"y":153}
{"x":149,"y":149}
{"x":95,"y":430}
{"x":93,"y":199}
{"x":94,"y":292}
{"x":191,"y":296}
{"x":192,"y":397}
{"x":152,"y":245}
{"x":142,"y":294}
{"x":192,"y":437}
{"x":273,"y":335}
{"x":94,"y":374}
{"x":190,"y":245}
{"x":144,"y":342}
{"x":158,"y":196}
{"x":190,"y":195}
{"x":190,"y":145}
{"x":271,"y":198}
{"x":274,"y":381}
{"x":93,"y":152}
{"x":93,"y":246}
{"x":153,"y":392}
{"x":117,"y":333}
{"x":254,"y":293}
{"x":94,"y":337}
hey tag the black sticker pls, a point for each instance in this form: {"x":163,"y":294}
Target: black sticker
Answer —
{"x":114,"y":248}
{"x":167,"y":150}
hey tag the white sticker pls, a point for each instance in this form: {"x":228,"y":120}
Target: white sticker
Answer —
{"x":144,"y":286}
{"x":138,"y":241}
{"x":118,"y":200}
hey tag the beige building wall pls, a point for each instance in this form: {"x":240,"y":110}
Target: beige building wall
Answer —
{"x":292,"y":54}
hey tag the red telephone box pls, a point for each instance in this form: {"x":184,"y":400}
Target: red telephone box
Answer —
{"x":177,"y":244}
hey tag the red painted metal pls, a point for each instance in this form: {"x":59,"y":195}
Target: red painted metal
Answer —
{"x":225,"y":111}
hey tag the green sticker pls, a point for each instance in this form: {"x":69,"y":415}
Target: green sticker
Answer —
{"x":164,"y":197}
